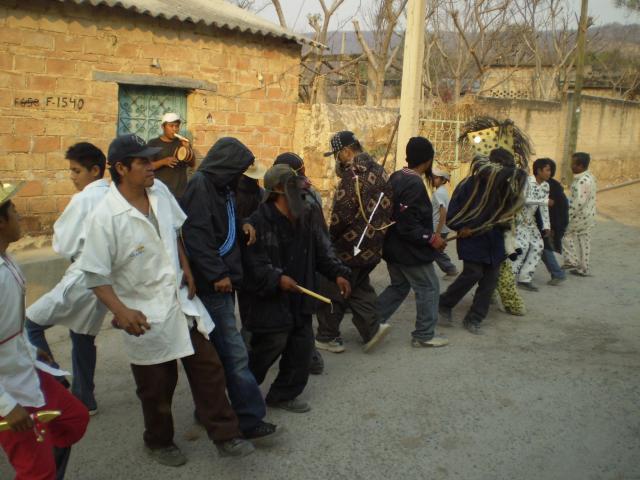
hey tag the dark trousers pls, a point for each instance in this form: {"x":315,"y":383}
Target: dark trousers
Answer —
{"x":83,"y":360}
{"x":244,"y":393}
{"x":294,"y":347}
{"x":362,"y":302}
{"x":486,"y":276}
{"x":156,"y":384}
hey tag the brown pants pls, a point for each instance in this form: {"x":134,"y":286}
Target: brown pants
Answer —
{"x":156,"y":384}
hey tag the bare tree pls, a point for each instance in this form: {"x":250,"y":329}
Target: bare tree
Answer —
{"x":469,"y":36}
{"x":383,"y":19}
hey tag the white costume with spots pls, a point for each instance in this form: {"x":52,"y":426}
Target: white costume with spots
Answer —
{"x":576,"y":244}
{"x":528,"y":237}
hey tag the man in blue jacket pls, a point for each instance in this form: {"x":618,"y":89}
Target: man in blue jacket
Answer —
{"x":411,"y":245}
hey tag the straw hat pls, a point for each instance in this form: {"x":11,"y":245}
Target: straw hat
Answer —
{"x":255,"y":171}
{"x":9,"y":190}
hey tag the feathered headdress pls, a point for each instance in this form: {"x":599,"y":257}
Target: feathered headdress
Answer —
{"x":487,"y":133}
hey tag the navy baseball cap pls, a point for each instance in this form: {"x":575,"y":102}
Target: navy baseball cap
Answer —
{"x":341,"y":140}
{"x":129,"y":146}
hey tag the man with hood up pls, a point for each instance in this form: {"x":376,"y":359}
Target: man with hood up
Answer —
{"x":290,"y":248}
{"x":212,"y":235}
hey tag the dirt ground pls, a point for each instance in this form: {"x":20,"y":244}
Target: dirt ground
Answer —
{"x":553,"y":395}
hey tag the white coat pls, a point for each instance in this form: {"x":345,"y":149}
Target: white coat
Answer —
{"x":144,"y":268}
{"x":70,"y":302}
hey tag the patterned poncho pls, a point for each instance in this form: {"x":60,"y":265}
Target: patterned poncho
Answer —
{"x":347,"y":221}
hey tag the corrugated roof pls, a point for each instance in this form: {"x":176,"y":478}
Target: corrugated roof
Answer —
{"x":217,"y":13}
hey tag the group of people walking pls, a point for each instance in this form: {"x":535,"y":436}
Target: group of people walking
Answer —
{"x":168,"y":260}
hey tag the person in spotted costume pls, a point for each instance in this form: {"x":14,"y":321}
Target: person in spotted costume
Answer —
{"x":576,"y":244}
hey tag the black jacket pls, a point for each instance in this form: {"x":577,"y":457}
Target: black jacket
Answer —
{"x":486,"y":247}
{"x":407,"y":241}
{"x":558,"y":214}
{"x":284,"y":249}
{"x":205,"y":203}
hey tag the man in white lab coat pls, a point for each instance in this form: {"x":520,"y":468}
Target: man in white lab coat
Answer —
{"x":26,"y":384}
{"x":137,"y":267}
{"x":71,"y":303}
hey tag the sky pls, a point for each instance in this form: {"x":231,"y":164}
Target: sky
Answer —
{"x":296,"y":12}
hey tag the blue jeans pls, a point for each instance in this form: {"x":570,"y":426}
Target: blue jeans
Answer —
{"x":83,"y":359}
{"x":550,"y":261}
{"x":424,"y":282}
{"x":244,"y":393}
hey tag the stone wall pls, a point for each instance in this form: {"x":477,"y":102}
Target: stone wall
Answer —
{"x":51,"y":52}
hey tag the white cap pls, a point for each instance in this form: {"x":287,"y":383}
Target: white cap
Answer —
{"x":169,"y":118}
{"x":436,"y":172}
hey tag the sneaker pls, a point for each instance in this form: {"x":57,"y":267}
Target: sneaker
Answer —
{"x":473,"y":327}
{"x":93,"y":411}
{"x":445,"y":316}
{"x":236,"y":447}
{"x":295,"y":405}
{"x":450,"y":275}
{"x":169,"y":456}
{"x":528,"y":286}
{"x":555,"y":281}
{"x":317,"y":363}
{"x":436,"y":341}
{"x":262,"y":433}
{"x":333,"y":346}
{"x":382,"y":332}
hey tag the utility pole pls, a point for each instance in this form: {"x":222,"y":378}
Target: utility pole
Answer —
{"x":574,"y":106}
{"x":410,"y":97}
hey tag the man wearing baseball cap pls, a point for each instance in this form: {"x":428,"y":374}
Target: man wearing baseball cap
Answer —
{"x":357,"y":229}
{"x":171,"y":171}
{"x":136,"y":265}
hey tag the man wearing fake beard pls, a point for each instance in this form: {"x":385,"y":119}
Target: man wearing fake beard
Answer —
{"x":289,"y":249}
{"x":411,"y":246}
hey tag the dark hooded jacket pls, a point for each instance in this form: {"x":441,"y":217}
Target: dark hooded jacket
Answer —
{"x":283,"y":248}
{"x":407,"y":241}
{"x":558,"y":216}
{"x":205,"y":203}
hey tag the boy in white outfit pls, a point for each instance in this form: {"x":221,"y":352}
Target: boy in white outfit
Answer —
{"x":71,"y":303}
{"x":576,"y":244}
{"x":528,"y":237}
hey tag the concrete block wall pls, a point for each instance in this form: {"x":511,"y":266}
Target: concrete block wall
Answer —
{"x":49,"y":100}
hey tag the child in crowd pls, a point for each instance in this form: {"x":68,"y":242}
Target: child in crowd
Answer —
{"x":440,"y":204}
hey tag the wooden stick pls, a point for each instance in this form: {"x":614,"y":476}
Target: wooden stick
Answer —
{"x":314,"y":295}
{"x":393,"y":135}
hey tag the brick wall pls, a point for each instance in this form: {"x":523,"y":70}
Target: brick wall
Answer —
{"x":50,"y":51}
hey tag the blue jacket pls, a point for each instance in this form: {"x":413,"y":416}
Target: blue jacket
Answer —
{"x":487,"y":247}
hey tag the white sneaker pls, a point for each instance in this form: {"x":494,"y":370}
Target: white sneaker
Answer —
{"x":333,"y":346}
{"x":377,"y":338}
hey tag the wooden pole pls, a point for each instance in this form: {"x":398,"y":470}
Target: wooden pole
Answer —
{"x":575,"y":104}
{"x":411,"y":76}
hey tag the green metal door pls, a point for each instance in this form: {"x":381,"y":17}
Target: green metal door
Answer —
{"x":140,"y":109}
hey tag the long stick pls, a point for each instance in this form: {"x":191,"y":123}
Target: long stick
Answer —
{"x":314,"y":295}
{"x":393,"y":135}
{"x":356,"y":249}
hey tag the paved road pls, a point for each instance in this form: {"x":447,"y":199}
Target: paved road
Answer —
{"x":553,"y":395}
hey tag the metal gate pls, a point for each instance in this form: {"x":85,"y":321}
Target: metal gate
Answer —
{"x":140,"y":109}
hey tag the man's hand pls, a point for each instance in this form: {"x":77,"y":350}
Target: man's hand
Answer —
{"x":19,"y":419}
{"x":170,"y":162}
{"x":223,"y":286}
{"x":250,"y":232}
{"x":437,"y":242}
{"x":546,"y":233}
{"x":132,"y":321}
{"x":551,"y":202}
{"x":464,"y":232}
{"x":44,"y":356}
{"x":344,"y":286}
{"x":187,"y":279}
{"x":288,"y":284}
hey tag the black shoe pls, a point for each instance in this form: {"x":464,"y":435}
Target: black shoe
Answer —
{"x":473,"y":327}
{"x":317,"y":363}
{"x":262,"y":434}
